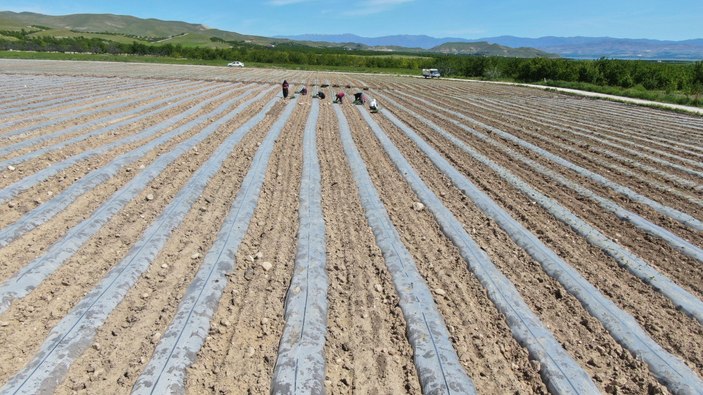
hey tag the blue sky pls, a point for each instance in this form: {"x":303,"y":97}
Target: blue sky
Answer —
{"x":666,"y":20}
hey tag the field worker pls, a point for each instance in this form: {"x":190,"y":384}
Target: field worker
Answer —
{"x":373,"y":105}
{"x":339,"y":97}
{"x":285,"y":88}
{"x":359,"y":98}
{"x":303,"y":91}
{"x":320,"y":94}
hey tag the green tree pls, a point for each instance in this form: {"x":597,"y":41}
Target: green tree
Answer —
{"x":697,"y":82}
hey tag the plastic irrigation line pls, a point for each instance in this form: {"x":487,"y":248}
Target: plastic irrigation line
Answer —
{"x":681,"y":298}
{"x":31,"y":275}
{"x":52,"y":115}
{"x":592,"y":128}
{"x":672,"y":239}
{"x":38,"y":96}
{"x":178,"y":347}
{"x":657,"y":122}
{"x":32,"y":86}
{"x":677,"y":215}
{"x":653,"y":153}
{"x":29,"y":181}
{"x":75,"y":101}
{"x":300,"y":365}
{"x":616,"y":142}
{"x":558,"y":369}
{"x":75,"y":332}
{"x":437,"y":363}
{"x":601,"y":140}
{"x":668,"y":369}
{"x":646,"y":169}
{"x":56,"y":120}
{"x":49,"y":209}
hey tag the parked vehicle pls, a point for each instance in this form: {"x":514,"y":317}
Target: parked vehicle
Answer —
{"x":430,"y":73}
{"x":235,"y":64}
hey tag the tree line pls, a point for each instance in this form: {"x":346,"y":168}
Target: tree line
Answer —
{"x":285,"y":54}
{"x":665,"y":76}
{"x":650,"y":75}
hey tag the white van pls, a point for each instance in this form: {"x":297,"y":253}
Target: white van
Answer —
{"x":430,"y":73}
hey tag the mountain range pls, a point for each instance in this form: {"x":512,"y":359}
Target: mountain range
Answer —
{"x":569,"y":47}
{"x":125,"y":29}
{"x":189,"y":34}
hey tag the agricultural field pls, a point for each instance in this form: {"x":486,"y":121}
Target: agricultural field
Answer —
{"x":169,"y":228}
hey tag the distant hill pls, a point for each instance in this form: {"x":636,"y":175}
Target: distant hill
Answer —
{"x":188,"y":34}
{"x":619,"y":48}
{"x":419,"y":43}
{"x":104,"y":23}
{"x":487,"y":49}
{"x":572,"y":47}
{"x":405,"y":41}
{"x":125,"y":25}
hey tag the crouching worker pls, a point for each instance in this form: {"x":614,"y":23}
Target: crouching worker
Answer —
{"x":339,"y":97}
{"x":359,"y":98}
{"x":303,"y":91}
{"x":373,"y":106}
{"x":320,"y":94}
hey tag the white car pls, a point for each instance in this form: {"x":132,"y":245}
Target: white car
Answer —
{"x":235,"y":64}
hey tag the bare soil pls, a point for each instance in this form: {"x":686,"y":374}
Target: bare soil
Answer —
{"x":366,"y":347}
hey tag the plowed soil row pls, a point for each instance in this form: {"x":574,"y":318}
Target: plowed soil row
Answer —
{"x":367,"y":349}
{"x":596,"y":150}
{"x":65,"y":287}
{"x":537,"y":110}
{"x":655,"y":251}
{"x":152,"y":302}
{"x":619,"y":284}
{"x":478,"y":330}
{"x":32,"y":165}
{"x":601,"y":130}
{"x":580,"y":159}
{"x":32,"y":243}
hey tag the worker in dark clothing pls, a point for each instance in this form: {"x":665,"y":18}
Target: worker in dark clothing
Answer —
{"x":359,"y":98}
{"x":320,"y":94}
{"x":285,"y":88}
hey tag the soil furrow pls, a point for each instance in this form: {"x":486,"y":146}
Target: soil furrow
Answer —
{"x":508,"y":368}
{"x":629,"y":292}
{"x":366,"y":348}
{"x":63,"y":289}
{"x":240,"y":351}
